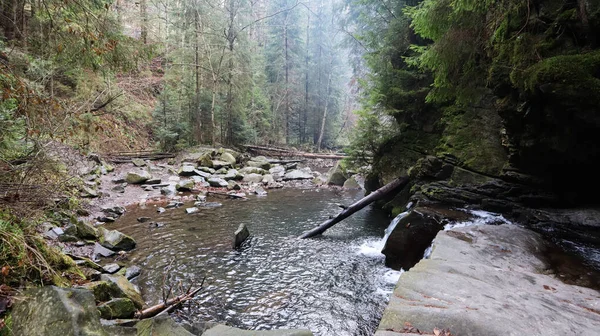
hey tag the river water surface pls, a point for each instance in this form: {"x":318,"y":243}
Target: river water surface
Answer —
{"x":333,"y":285}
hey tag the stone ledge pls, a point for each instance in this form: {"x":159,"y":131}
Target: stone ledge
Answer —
{"x":488,"y":280}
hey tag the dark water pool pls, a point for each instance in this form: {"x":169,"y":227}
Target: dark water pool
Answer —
{"x":333,"y":285}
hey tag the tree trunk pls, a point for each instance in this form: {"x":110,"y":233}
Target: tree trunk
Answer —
{"x":144,"y":27}
{"x":374,"y":196}
{"x":324,"y":119}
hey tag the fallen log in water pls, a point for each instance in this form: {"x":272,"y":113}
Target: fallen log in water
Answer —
{"x":350,"y":210}
{"x":169,"y":305}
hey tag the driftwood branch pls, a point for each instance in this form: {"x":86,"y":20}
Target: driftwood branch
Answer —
{"x":170,"y":304}
{"x":350,"y":210}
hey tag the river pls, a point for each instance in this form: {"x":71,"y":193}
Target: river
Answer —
{"x":333,"y":285}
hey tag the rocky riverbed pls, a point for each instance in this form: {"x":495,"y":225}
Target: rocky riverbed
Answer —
{"x":205,"y":176}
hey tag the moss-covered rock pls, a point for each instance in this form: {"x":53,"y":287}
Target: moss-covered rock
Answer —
{"x":57,"y":311}
{"x":337,"y":175}
{"x":205,"y":160}
{"x":104,"y":290}
{"x":115,"y":240}
{"x":120,"y":308}
{"x":86,"y":230}
{"x":128,"y":289}
{"x":137,"y":177}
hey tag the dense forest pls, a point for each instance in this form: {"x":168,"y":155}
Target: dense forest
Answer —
{"x":233,"y":72}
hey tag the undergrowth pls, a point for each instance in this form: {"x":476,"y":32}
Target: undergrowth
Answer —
{"x":27,"y":259}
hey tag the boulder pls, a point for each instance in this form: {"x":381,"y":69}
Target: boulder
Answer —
{"x":297,"y":174}
{"x":115,"y":240}
{"x":240,"y":235}
{"x":187,"y":170}
{"x":119,"y":308}
{"x":268,"y":179}
{"x":205,"y":160}
{"x":291,"y":166}
{"x":413,"y":235}
{"x":128,"y":289}
{"x":168,"y":190}
{"x":352,"y":183}
{"x":252,"y":170}
{"x":489,"y":280}
{"x":259,"y":191}
{"x":52,"y":310}
{"x":227,"y":157}
{"x":86,"y":230}
{"x":233,"y":186}
{"x":337,"y":176}
{"x":217,"y":182}
{"x":137,"y":177}
{"x":138,"y":162}
{"x":207,"y":170}
{"x":259,"y":164}
{"x":185,"y":185}
{"x":233,"y":174}
{"x":253,"y":178}
{"x":111,"y":268}
{"x":104,"y":291}
{"x":223,"y":330}
{"x":100,"y":250}
{"x":221,"y":164}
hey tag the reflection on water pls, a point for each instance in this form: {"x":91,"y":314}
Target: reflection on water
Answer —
{"x":275,"y":281}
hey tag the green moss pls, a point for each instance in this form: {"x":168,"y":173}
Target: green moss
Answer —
{"x":569,"y":77}
{"x":472,"y":135}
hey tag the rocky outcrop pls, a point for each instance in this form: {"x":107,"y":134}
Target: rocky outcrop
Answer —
{"x":489,"y":280}
{"x":413,"y":235}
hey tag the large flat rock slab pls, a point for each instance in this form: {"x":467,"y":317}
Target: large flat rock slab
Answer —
{"x":489,"y":280}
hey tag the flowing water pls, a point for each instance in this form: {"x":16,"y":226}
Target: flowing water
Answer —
{"x":333,"y":285}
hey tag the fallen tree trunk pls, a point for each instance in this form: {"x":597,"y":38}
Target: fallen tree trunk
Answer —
{"x":289,"y":153}
{"x":227,"y":195}
{"x":349,"y":211}
{"x":159,"y":308}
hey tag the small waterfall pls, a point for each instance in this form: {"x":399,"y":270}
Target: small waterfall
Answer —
{"x":374,"y":248}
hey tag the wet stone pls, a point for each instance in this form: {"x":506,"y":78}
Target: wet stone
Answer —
{"x":191,"y":210}
{"x":132,"y":272}
{"x":111,"y":268}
